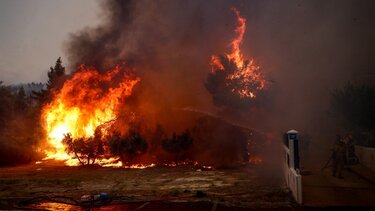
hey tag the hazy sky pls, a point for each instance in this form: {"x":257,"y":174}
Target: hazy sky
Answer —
{"x":33,"y":32}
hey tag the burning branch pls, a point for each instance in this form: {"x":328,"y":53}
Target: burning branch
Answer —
{"x":234,"y":73}
{"x":86,"y":101}
{"x":86,"y":150}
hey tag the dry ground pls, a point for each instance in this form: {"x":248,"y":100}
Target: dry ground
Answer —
{"x":245,"y":186}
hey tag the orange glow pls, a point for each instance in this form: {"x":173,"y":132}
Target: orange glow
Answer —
{"x":255,"y":160}
{"x":140,"y":166}
{"x":236,"y":54}
{"x":216,"y":63}
{"x":87,"y":100}
{"x":247,"y":73}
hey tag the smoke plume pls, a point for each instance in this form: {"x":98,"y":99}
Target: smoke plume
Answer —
{"x":304,"y":49}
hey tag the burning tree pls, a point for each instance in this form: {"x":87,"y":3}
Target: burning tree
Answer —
{"x":90,"y":98}
{"x":178,"y":144}
{"x":127,"y":147}
{"x":234,"y":79}
{"x":86,"y":150}
{"x":86,"y":101}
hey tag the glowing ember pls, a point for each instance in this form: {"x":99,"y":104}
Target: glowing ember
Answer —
{"x":255,"y":160}
{"x":246,"y":74}
{"x":86,"y":101}
{"x":140,"y":166}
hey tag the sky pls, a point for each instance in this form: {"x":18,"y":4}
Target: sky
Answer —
{"x":33,"y":33}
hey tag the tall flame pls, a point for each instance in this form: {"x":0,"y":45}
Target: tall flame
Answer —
{"x":236,"y":54}
{"x":247,"y":73}
{"x":86,"y":101}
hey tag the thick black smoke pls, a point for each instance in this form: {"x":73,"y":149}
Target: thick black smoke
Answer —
{"x":306,"y":48}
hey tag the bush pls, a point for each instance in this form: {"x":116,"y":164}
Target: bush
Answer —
{"x":355,"y":106}
{"x":127,"y":147}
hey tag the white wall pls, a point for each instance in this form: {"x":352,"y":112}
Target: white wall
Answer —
{"x":294,"y":182}
{"x":292,"y":178}
{"x":366,"y":156}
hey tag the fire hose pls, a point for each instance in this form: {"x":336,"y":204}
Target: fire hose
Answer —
{"x":85,"y":201}
{"x":88,"y":201}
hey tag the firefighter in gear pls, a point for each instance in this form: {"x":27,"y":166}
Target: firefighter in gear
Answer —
{"x":351,"y":157}
{"x":338,"y":159}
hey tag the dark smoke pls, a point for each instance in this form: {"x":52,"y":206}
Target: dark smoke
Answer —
{"x":306,"y":48}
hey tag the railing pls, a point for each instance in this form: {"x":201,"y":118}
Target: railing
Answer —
{"x":291,"y":165}
{"x":294,"y":183}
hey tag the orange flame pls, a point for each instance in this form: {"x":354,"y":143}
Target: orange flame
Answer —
{"x":86,"y":101}
{"x":236,"y":54}
{"x":247,"y":73}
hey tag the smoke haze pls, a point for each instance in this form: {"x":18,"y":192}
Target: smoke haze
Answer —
{"x":305,"y":49}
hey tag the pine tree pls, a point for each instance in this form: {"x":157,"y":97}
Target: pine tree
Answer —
{"x":21,"y":99}
{"x":128,"y":147}
{"x":56,"y":77}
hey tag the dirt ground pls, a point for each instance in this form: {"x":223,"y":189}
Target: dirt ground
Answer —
{"x":244,"y":186}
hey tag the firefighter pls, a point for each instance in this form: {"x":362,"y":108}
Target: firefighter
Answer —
{"x":351,"y":157}
{"x":338,"y":159}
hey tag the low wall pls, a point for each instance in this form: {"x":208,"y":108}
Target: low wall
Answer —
{"x":366,"y":156}
{"x":294,"y":182}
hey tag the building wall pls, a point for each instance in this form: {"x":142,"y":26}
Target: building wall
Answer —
{"x":366,"y":156}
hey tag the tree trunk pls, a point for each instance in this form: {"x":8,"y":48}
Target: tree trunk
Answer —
{"x":75,"y":153}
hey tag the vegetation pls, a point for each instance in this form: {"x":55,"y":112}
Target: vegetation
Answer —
{"x":56,"y":77}
{"x":86,"y":150}
{"x":128,"y":147}
{"x":20,"y":110}
{"x":222,"y":89}
{"x":18,"y":131}
{"x":354,"y":105}
{"x":178,"y":144}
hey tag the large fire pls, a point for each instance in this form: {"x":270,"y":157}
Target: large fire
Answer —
{"x":86,"y":101}
{"x":86,"y":109}
{"x":246,"y":73}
